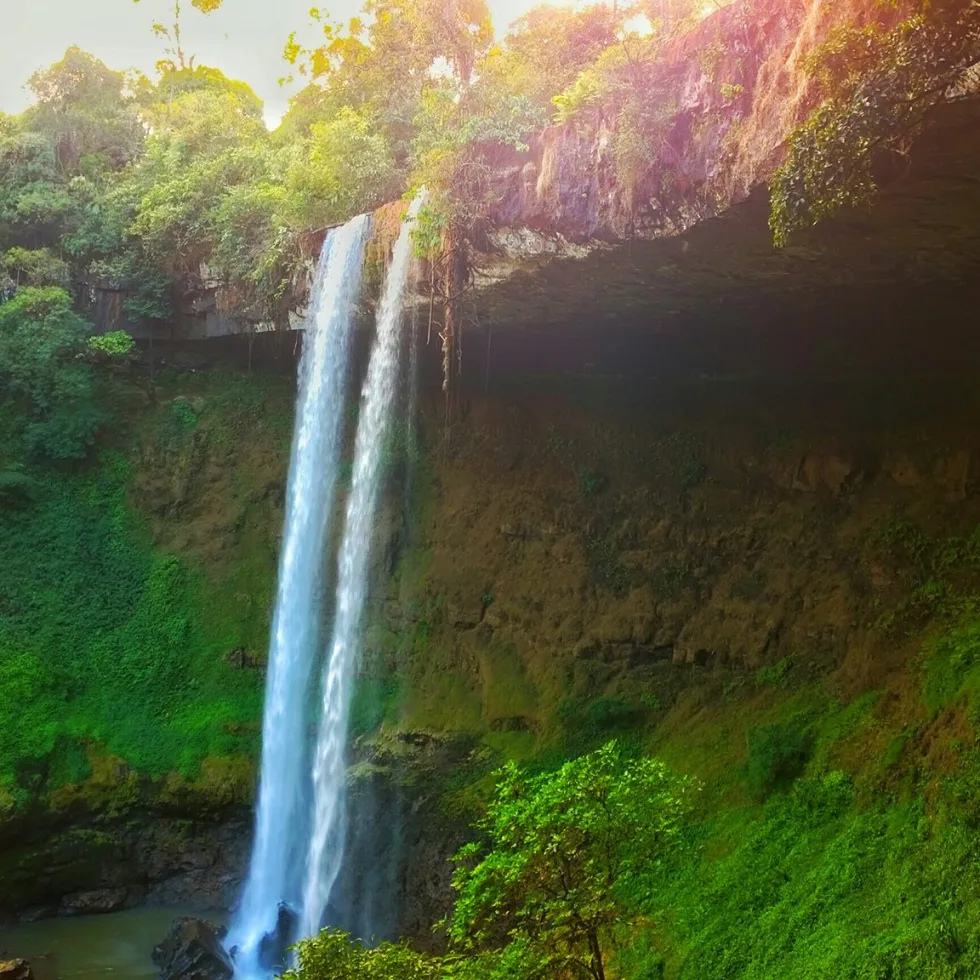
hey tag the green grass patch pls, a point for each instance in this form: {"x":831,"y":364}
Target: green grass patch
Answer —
{"x":507,"y":692}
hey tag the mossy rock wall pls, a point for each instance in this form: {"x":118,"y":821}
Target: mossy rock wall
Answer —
{"x":755,"y":581}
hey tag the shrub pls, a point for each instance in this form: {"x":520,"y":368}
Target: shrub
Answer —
{"x":589,"y":720}
{"x":773,"y":673}
{"x":116,"y":343}
{"x":778,"y":755}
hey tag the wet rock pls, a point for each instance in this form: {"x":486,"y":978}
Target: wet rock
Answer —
{"x":466,"y":611}
{"x":273,"y":946}
{"x":95,"y":901}
{"x":15,"y":970}
{"x":193,"y":950}
{"x":243,"y":659}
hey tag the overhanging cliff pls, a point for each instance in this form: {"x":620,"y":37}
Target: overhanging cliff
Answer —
{"x":687,"y":233}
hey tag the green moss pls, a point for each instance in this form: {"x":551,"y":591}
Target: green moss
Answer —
{"x":107,"y":640}
{"x":442,"y":699}
{"x":507,"y":692}
{"x":376,"y":700}
{"x":591,"y":482}
{"x":777,"y":754}
{"x":588,"y":721}
{"x":604,"y":565}
{"x":951,"y":663}
{"x":773,"y":673}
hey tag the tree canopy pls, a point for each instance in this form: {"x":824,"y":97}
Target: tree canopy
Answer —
{"x":558,"y":883}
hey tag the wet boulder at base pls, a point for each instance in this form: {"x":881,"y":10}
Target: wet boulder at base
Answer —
{"x":273,"y":947}
{"x":193,"y":950}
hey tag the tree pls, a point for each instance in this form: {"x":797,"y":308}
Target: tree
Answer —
{"x":546,"y":49}
{"x":569,"y":858}
{"x":34,"y":267}
{"x":344,"y":167}
{"x":334,"y":955}
{"x":88,"y":112}
{"x":35,"y":204}
{"x":40,"y":338}
{"x":172,"y":34}
{"x":382,"y":63}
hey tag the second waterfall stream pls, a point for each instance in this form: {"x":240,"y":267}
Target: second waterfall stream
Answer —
{"x":301,"y":811}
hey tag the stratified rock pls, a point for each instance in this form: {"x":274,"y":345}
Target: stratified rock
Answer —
{"x":193,"y":950}
{"x":15,"y":970}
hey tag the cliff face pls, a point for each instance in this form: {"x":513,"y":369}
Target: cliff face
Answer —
{"x":679,"y":562}
{"x":731,"y":90}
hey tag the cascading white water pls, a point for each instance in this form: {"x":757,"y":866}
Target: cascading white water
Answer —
{"x":329,"y":761}
{"x":278,"y":856}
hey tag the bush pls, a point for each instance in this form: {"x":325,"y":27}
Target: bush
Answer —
{"x":116,"y":343}
{"x":16,"y":489}
{"x":40,"y":336}
{"x":68,"y":432}
{"x":335,"y":955}
{"x":773,"y":673}
{"x":106,"y":641}
{"x":587,"y":721}
{"x":778,"y":755}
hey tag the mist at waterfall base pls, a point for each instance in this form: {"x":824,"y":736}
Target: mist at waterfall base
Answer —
{"x":300,"y":826}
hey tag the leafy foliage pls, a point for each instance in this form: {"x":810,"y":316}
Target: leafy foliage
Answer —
{"x":568,"y":855}
{"x":334,"y":955}
{"x":109,"y":645}
{"x":777,"y":754}
{"x":823,"y":888}
{"x":116,"y":343}
{"x":40,"y":336}
{"x":878,"y":85}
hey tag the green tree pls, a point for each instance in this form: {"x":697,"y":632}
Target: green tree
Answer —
{"x":35,"y":204}
{"x":40,"y":338}
{"x":546,"y":49}
{"x":344,"y":167}
{"x":88,"y":113}
{"x":569,"y":860}
{"x":334,"y":955}
{"x":381,"y":63}
{"x":33,"y":267}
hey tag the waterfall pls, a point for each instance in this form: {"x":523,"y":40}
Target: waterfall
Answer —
{"x":326,"y":842}
{"x":278,"y":856}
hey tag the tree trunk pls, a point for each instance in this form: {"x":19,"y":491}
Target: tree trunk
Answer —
{"x":597,"y":968}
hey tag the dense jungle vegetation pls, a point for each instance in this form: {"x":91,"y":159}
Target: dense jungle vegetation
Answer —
{"x":817,"y":841}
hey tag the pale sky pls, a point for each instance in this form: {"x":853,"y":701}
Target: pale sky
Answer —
{"x":244,"y":38}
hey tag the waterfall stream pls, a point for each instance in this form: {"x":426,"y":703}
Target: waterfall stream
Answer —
{"x":329,"y":759}
{"x":300,"y":815}
{"x":278,"y":856}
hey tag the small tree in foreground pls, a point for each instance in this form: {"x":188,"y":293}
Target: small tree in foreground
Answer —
{"x":334,"y":955}
{"x":569,"y":856}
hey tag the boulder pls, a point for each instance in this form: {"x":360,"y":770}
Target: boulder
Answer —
{"x":98,"y":900}
{"x":273,"y":946}
{"x":15,"y":970}
{"x":193,"y":950}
